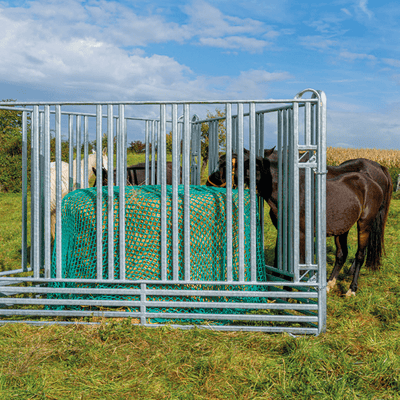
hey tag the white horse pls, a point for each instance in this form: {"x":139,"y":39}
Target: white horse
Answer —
{"x":65,"y":181}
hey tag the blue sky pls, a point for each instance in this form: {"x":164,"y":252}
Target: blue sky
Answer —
{"x":237,"y":49}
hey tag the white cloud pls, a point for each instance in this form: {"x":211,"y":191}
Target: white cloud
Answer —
{"x":363,"y":7}
{"x":392,"y":62}
{"x":356,"y":128}
{"x":236,"y":42}
{"x":356,"y":56}
{"x":209,"y":21}
{"x":317,"y":42}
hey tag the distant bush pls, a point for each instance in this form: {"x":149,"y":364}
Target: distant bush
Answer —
{"x":137,"y":147}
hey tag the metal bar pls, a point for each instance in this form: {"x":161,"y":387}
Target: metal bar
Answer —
{"x":163,"y":182}
{"x":35,"y":193}
{"x":122,"y":183}
{"x":146,"y":141}
{"x":309,"y":229}
{"x":253,"y":197}
{"x":321,"y":210}
{"x":186,"y":183}
{"x":24,"y":239}
{"x":175,"y":183}
{"x":58,"y":192}
{"x":158,"y":169}
{"x":85,"y":152}
{"x":285,"y":195}
{"x":77,"y":163}
{"x":47,"y":193}
{"x":183,"y":102}
{"x":296,"y":195}
{"x":41,"y":189}
{"x":278,"y":249}
{"x":229,"y":253}
{"x":241,"y":191}
{"x":99,"y":199}
{"x":153,"y":153}
{"x":70,"y":154}
{"x":110,"y":190}
{"x":178,"y":292}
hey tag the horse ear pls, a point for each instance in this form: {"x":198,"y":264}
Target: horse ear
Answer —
{"x":94,"y":170}
{"x":268,"y":152}
{"x":104,"y":151}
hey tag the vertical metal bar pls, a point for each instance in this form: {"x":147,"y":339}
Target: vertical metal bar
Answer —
{"x":35,"y":194}
{"x":146,"y":141}
{"x":47,"y":193}
{"x":241,"y":191}
{"x":234,"y":134}
{"x":321,"y":211}
{"x":163,"y":182}
{"x":110,"y":191}
{"x":85,"y":152}
{"x":41,"y":190}
{"x":285,"y":245}
{"x":262,"y":122}
{"x":296,"y":196}
{"x":153,"y":152}
{"x":70,"y":154}
{"x":122,"y":180}
{"x":118,"y":154}
{"x":24,"y":243}
{"x":158,"y":152}
{"x":78,"y":152}
{"x":253,"y":197}
{"x":58,"y":192}
{"x":290,"y":163}
{"x":99,"y":200}
{"x":186,"y":182}
{"x":198,"y":131}
{"x":175,"y":183}
{"x":261,"y":154}
{"x":228,"y":114}
{"x":279,"y":244}
{"x":309,"y":231}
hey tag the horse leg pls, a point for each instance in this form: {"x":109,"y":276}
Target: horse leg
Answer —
{"x":363,"y":237}
{"x":341,"y":255}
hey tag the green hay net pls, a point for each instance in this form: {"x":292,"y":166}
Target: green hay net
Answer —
{"x":143,"y":244}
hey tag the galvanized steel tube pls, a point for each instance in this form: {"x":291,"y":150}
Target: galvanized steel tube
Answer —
{"x":110,"y":200}
{"x":58,"y":192}
{"x":241,"y":191}
{"x":163,"y":181}
{"x":228,"y":123}
{"x":175,"y":182}
{"x":186,"y":183}
{"x":122,"y":183}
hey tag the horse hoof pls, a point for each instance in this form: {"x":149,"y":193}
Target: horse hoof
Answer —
{"x":350,"y":293}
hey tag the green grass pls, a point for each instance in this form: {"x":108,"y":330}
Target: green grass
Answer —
{"x":358,"y":357}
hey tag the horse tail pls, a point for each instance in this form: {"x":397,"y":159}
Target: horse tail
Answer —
{"x":386,"y":203}
{"x":375,"y":240}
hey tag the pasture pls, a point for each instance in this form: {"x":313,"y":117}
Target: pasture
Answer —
{"x":358,"y":357}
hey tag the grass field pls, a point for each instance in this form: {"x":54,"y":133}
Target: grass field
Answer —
{"x":358,"y":357}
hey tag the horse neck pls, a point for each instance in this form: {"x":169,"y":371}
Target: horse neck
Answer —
{"x":91,"y":163}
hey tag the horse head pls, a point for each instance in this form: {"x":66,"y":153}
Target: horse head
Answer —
{"x":104,"y":176}
{"x":218,"y":178}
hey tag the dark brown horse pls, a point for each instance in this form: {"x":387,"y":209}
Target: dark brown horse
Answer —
{"x":352,"y":197}
{"x":136,"y":174}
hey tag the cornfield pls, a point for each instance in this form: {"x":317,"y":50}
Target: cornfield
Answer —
{"x":387,"y":158}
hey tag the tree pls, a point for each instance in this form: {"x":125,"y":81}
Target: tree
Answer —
{"x":11,"y":149}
